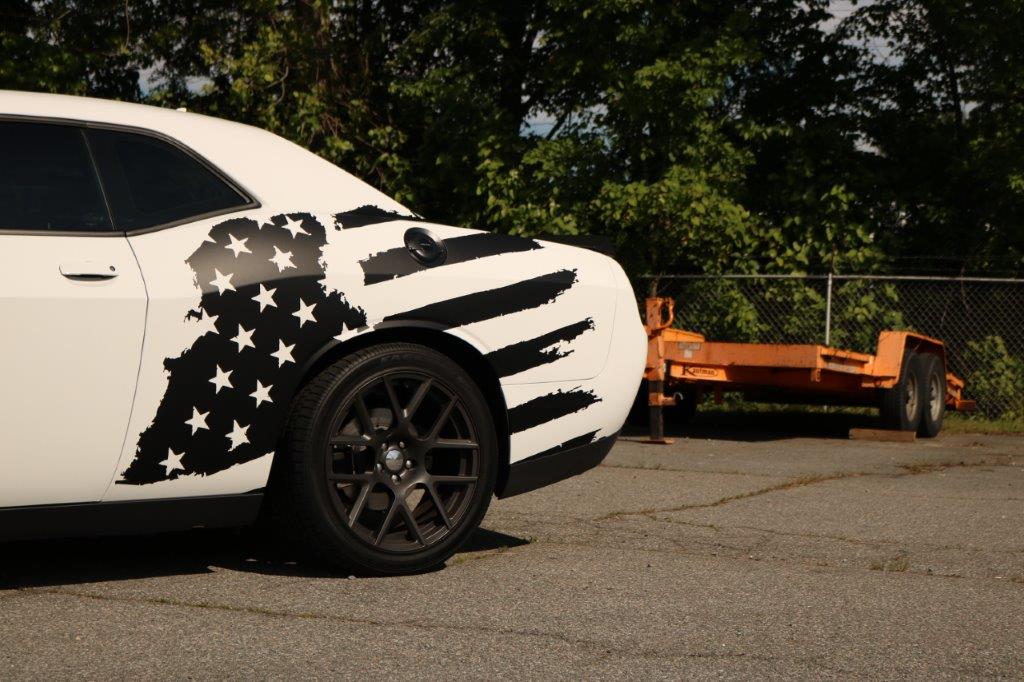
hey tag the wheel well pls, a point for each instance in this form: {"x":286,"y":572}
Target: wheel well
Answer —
{"x":457,"y":350}
{"x":922,"y":346}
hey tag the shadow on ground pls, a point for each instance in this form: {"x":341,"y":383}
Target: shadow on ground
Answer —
{"x":752,"y":426}
{"x":49,"y":563}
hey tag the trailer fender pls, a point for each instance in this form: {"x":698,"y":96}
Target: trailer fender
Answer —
{"x":892,"y":347}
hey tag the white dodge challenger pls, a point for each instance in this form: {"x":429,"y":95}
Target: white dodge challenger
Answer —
{"x":203,"y":321}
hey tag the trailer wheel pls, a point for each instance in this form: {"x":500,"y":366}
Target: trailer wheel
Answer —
{"x":902,"y":404}
{"x":932,"y":380}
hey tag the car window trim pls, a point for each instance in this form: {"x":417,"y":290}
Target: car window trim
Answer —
{"x":251,"y":201}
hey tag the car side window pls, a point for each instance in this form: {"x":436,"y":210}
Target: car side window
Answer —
{"x":150,"y":182}
{"x":47,"y":180}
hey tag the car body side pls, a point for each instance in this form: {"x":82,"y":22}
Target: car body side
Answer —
{"x":242,"y":307}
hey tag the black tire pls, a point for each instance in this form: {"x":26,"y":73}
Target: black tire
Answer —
{"x":339,"y":459}
{"x":685,"y":408}
{"x":901,"y":405}
{"x":932,"y":377}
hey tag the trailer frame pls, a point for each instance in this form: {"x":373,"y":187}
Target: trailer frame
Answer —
{"x":798,"y":373}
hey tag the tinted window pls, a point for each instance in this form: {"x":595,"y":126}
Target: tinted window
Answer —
{"x":151,"y":182}
{"x":47,"y":180}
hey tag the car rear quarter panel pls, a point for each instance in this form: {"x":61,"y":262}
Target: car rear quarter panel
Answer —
{"x":222,"y":358}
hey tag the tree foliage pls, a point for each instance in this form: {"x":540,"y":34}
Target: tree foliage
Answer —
{"x":698,"y":135}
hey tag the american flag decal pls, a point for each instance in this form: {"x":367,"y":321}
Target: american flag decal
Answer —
{"x":265,"y":310}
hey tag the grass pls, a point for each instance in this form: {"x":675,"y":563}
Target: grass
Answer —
{"x":960,"y":423}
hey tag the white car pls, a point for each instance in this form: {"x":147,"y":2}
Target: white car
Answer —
{"x":202,"y":320}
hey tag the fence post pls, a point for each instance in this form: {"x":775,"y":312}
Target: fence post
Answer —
{"x":828,"y":311}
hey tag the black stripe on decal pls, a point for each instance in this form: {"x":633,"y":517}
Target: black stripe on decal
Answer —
{"x":548,"y":407}
{"x":397,"y":262}
{"x":485,"y":305}
{"x":570,"y":444}
{"x":368,"y":215}
{"x":531,"y":353}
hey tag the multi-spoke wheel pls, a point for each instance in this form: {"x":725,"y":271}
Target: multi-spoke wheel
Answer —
{"x":393,"y":459}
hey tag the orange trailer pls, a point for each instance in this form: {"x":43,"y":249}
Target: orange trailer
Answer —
{"x":906,"y":378}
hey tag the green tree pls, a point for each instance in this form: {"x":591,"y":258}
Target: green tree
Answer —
{"x":643,"y":146}
{"x":73,"y":47}
{"x":941,"y":94}
{"x":809,"y":179}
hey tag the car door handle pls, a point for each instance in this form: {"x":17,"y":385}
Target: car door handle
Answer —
{"x":88,"y":270}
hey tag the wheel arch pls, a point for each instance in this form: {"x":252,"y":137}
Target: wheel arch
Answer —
{"x":457,"y":349}
{"x":892,"y":348}
{"x":924,"y":344}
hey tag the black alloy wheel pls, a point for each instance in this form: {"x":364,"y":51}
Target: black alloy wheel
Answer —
{"x":403,"y":462}
{"x":393,"y":460}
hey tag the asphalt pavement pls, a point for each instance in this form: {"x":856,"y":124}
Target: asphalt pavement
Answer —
{"x":726,"y":554}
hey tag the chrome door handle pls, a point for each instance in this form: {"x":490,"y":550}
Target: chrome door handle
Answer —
{"x":88,"y":270}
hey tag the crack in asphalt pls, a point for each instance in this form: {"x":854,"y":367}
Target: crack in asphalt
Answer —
{"x":787,"y":485}
{"x":743,"y":553}
{"x":606,"y":465}
{"x":604,"y":648}
{"x":839,"y":538}
{"x":803,"y":481}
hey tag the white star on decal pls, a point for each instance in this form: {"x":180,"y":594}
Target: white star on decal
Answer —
{"x":237,"y":246}
{"x":244,"y":338}
{"x":208,"y":323}
{"x":283,"y":353}
{"x":173,"y":462}
{"x":237,"y":435}
{"x":222,"y":282}
{"x":221,"y":379}
{"x":304,"y":313}
{"x":295,"y":227}
{"x":198,"y":420}
{"x":282,"y":259}
{"x":262,"y":393}
{"x":265,"y":298}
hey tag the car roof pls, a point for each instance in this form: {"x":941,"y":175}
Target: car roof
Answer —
{"x":270,"y":167}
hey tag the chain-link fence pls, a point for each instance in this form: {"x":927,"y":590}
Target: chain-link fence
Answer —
{"x":981,"y":320}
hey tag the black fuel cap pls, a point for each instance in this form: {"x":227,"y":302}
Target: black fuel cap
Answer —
{"x":424,"y":246}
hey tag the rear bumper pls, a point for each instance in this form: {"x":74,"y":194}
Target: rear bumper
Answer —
{"x":552,"y":466}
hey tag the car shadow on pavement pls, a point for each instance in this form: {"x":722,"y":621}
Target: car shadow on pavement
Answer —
{"x":767,"y":425}
{"x":51,"y":563}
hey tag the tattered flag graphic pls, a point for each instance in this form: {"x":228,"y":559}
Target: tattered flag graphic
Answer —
{"x":265,"y":307}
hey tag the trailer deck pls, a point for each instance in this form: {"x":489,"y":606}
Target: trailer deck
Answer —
{"x":679,"y":360}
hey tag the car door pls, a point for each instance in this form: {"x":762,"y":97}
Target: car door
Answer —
{"x":73,"y":306}
{"x":167,"y":198}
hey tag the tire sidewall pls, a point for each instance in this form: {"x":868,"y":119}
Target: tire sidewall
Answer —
{"x":333,"y":529}
{"x":930,"y":366}
{"x":893,"y":406}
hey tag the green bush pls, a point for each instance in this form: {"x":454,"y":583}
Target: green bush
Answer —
{"x":995,"y":378}
{"x":861,"y":309}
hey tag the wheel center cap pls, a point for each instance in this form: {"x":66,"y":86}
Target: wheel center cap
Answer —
{"x":394,"y":459}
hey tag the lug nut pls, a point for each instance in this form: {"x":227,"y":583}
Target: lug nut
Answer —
{"x":408,"y":464}
{"x":378,"y":466}
{"x":401,"y":444}
{"x":396,"y":478}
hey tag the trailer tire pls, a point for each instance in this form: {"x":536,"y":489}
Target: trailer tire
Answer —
{"x":932,"y":380}
{"x":901,"y":406}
